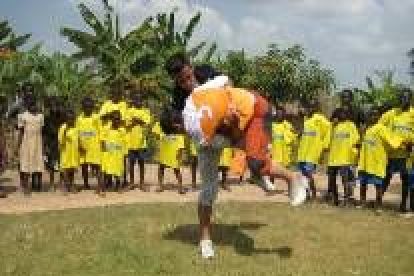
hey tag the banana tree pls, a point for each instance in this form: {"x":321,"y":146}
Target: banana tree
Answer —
{"x":9,"y":40}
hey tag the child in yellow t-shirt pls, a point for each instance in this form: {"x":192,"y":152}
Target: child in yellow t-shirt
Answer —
{"x":89,"y":125}
{"x":316,"y":135}
{"x":114,"y":150}
{"x":342,"y":154}
{"x":171,"y":148}
{"x":138,"y":119}
{"x":283,"y":138}
{"x":69,"y":151}
{"x":224,"y":165}
{"x":373,"y":156}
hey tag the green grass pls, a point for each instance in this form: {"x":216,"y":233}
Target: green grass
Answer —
{"x":251,"y":239}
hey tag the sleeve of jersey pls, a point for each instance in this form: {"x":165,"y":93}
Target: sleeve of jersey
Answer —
{"x":207,"y":128}
{"x":393,"y":140}
{"x":327,"y":130}
{"x":386,"y":118}
{"x":60,"y":135}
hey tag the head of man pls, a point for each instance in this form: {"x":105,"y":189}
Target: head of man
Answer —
{"x":346,"y":97}
{"x":405,"y":97}
{"x":181,"y":70}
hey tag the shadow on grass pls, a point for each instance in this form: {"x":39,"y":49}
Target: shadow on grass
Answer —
{"x":228,"y":235}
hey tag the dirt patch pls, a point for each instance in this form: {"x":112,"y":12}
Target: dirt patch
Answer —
{"x":17,"y":203}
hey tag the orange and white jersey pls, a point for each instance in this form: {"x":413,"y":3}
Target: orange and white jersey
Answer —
{"x":207,"y":109}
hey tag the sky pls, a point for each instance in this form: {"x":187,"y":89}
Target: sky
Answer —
{"x":352,"y":37}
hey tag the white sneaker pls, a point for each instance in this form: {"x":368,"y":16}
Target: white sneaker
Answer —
{"x":298,"y":191}
{"x":206,"y":247}
{"x":268,"y":185}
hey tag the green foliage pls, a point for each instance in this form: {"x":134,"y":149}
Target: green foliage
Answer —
{"x":8,"y":39}
{"x":56,"y":75}
{"x":139,"y":56}
{"x":280,"y":75}
{"x":381,"y":90}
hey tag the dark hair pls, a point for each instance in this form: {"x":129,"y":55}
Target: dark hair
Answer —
{"x":347,"y":91}
{"x":168,"y":119}
{"x":205,"y":72}
{"x":176,"y":63}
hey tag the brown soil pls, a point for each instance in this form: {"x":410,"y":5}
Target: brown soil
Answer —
{"x":17,"y":203}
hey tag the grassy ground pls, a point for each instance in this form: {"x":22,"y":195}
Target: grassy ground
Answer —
{"x":251,"y":238}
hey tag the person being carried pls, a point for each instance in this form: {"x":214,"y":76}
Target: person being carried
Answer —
{"x":239,"y":116}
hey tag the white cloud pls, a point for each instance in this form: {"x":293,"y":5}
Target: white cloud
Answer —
{"x":354,"y":37}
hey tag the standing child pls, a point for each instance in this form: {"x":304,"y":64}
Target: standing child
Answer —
{"x":343,"y":154}
{"x":224,"y":165}
{"x":69,"y":151}
{"x":316,"y":135}
{"x":114,"y":150}
{"x":138,"y":119}
{"x":283,"y":139}
{"x":400,"y":121}
{"x":89,"y":126}
{"x":193,"y":164}
{"x":3,"y":153}
{"x":54,"y":118}
{"x":30,"y":139}
{"x":170,"y":156}
{"x":373,"y":156}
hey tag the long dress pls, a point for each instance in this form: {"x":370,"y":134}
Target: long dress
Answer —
{"x":31,"y":149}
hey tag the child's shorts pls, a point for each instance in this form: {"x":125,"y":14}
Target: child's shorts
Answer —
{"x":346,"y":172}
{"x":411,"y":178}
{"x":306,"y":168}
{"x":139,"y":155}
{"x":397,"y":165}
{"x":367,"y":178}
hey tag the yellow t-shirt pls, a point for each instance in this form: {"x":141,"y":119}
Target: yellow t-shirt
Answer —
{"x":373,"y":155}
{"x":342,"y":151}
{"x":193,"y":148}
{"x":89,"y":129}
{"x":109,"y":106}
{"x":283,"y":138}
{"x":226,"y":157}
{"x":114,"y":151}
{"x":315,"y":138}
{"x":401,"y":124}
{"x":68,"y":147}
{"x":169,"y":148}
{"x":136,"y":135}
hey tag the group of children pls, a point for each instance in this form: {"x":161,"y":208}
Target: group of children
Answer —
{"x":368,"y":147}
{"x":111,"y":140}
{"x":107,"y":142}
